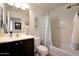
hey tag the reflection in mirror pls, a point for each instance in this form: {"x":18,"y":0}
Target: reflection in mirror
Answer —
{"x":1,"y":18}
{"x":7,"y":11}
{"x":4,"y":17}
{"x":15,"y":25}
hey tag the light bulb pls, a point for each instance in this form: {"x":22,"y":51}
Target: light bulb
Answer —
{"x":24,"y":6}
{"x":10,"y":3}
{"x":17,"y":5}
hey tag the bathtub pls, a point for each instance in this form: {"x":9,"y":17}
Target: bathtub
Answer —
{"x":60,"y":52}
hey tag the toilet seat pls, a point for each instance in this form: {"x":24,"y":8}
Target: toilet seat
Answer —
{"x":42,"y":50}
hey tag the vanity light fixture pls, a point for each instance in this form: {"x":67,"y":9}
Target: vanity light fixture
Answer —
{"x":10,"y":3}
{"x":23,"y":6}
{"x":18,"y":5}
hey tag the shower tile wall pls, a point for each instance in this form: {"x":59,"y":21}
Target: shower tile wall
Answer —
{"x":62,"y":26}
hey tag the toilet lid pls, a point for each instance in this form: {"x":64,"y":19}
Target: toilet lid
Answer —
{"x":42,"y":48}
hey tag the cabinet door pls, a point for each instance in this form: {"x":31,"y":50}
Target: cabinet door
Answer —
{"x":28,"y":47}
{"x":18,"y":48}
{"x":4,"y":49}
{"x":15,"y":49}
{"x":10,"y":49}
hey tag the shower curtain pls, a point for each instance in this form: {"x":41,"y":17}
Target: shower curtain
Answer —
{"x":46,"y":31}
{"x":75,"y":33}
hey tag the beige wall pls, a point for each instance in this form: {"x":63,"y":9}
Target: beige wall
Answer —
{"x":62,"y":26}
{"x":31,"y":23}
{"x":32,"y":29}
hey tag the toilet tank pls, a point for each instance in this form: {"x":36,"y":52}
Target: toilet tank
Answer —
{"x":37,"y":41}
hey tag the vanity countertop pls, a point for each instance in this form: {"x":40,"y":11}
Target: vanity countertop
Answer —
{"x":6,"y":38}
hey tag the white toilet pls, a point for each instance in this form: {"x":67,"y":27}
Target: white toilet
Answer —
{"x":42,"y":50}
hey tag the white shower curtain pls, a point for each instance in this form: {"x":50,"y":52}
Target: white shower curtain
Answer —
{"x":46,"y":31}
{"x":75,"y":33}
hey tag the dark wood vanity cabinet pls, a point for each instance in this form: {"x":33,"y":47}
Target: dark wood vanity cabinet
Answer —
{"x":18,"y":48}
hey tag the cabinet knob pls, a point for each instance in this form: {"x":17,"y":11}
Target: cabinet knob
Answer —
{"x":16,"y":43}
{"x":21,"y":42}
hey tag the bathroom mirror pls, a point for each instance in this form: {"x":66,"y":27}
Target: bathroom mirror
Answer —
{"x":15,"y":24}
{"x":1,"y":19}
{"x":7,"y":12}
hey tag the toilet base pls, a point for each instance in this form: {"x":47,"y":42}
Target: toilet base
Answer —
{"x":42,"y":50}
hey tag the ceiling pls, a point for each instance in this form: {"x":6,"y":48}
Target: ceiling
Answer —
{"x":41,"y":9}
